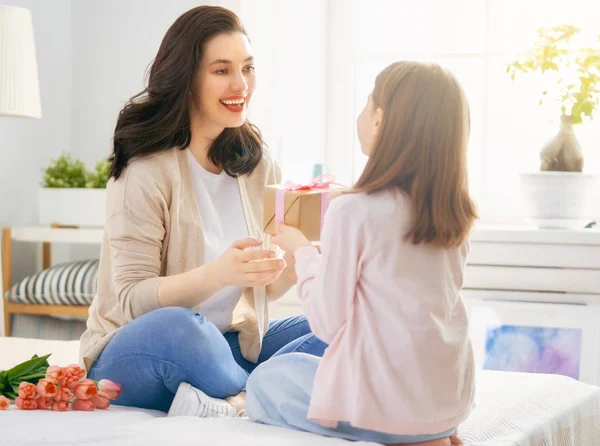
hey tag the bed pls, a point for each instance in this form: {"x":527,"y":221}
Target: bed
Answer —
{"x":512,"y":409}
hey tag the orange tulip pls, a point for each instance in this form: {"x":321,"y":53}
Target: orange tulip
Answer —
{"x":43,"y":402}
{"x":60,"y":406}
{"x":65,"y":395}
{"x":47,"y":388}
{"x":74,"y":370}
{"x":85,"y":390}
{"x":101,"y":401}
{"x":26,"y":390}
{"x":71,"y":382}
{"x":26,"y":403}
{"x":4,"y":402}
{"x":111,"y":389}
{"x":84,"y":405}
{"x":55,"y":373}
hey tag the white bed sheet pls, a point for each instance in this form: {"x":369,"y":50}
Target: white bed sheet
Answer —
{"x":512,"y":409}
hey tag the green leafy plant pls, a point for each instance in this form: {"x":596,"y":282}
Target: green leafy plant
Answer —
{"x":98,"y":178}
{"x":66,"y":172}
{"x":577,"y":69}
{"x":31,"y":371}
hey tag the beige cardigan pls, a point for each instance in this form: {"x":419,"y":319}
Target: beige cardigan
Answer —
{"x":153,"y":229}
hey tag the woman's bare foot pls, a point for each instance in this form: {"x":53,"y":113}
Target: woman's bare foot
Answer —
{"x":238,"y":401}
{"x":453,"y":440}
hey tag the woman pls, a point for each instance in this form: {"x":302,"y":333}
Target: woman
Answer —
{"x":183,"y":282}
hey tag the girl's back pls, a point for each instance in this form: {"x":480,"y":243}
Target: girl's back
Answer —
{"x":385,"y":294}
{"x":403,"y":359}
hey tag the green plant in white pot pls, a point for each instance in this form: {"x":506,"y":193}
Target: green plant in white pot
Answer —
{"x":71,"y":194}
{"x":560,"y":194}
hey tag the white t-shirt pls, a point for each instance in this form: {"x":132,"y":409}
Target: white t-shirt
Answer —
{"x":223,"y":220}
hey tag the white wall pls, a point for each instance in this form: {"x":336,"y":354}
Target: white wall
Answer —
{"x":27,"y":145}
{"x":114,"y":43}
{"x":93,"y":56}
{"x":289,"y":105}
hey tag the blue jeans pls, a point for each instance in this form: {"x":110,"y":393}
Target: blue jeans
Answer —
{"x":279,"y":391}
{"x":154,"y":353}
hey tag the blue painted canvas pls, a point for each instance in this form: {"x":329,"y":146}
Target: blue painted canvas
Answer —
{"x":533,"y":349}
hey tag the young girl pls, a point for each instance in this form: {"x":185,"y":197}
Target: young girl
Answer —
{"x":385,"y":293}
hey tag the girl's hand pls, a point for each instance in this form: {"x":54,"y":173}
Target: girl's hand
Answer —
{"x":289,"y":273}
{"x":241,"y":267}
{"x":289,"y":238}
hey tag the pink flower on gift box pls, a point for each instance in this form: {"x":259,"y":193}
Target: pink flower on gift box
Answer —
{"x":111,"y":389}
{"x":26,"y":390}
{"x":4,"y":402}
{"x":26,"y":403}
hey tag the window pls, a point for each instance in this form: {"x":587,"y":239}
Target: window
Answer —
{"x":317,"y":61}
{"x":474,"y":39}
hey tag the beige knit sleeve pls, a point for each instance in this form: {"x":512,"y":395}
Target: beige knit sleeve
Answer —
{"x":135,"y":234}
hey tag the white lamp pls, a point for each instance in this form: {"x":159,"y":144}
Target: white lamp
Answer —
{"x":19,"y":85}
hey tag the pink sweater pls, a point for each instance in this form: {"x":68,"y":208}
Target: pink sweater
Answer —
{"x":400,"y":359}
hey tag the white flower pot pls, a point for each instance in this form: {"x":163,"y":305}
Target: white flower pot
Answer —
{"x":561,"y":199}
{"x":71,"y":206}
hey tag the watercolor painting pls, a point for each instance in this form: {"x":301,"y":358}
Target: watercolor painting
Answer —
{"x":534,"y":349}
{"x":536,"y":337}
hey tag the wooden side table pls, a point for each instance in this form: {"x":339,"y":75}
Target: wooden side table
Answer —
{"x":46,"y":236}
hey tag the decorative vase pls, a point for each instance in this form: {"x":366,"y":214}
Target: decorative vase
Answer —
{"x":71,"y":206}
{"x":562,"y":153}
{"x":561,"y":199}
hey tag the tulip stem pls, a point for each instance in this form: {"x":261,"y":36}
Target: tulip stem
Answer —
{"x":37,"y":375}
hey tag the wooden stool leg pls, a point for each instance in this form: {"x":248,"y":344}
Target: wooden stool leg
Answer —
{"x":6,"y":260}
{"x":6,"y":277}
{"x":46,"y":255}
{"x":7,"y":321}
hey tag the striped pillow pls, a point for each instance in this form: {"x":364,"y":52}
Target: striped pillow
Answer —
{"x":72,"y":283}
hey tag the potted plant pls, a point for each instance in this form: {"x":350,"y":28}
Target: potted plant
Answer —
{"x":560,"y":194}
{"x":70,"y":194}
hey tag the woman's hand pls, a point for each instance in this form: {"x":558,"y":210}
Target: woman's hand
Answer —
{"x":289,"y":238}
{"x":242,"y":267}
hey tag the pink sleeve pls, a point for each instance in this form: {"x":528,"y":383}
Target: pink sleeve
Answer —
{"x":327,"y":282}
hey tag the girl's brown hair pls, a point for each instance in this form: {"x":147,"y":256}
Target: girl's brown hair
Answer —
{"x":421,"y":148}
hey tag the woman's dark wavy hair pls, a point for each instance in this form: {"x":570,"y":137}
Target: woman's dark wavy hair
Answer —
{"x":157,"y":118}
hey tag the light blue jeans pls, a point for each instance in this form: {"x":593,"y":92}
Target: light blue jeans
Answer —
{"x":153,"y":354}
{"x":278,"y":393}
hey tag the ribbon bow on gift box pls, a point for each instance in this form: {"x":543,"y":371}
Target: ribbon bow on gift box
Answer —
{"x":302,"y":205}
{"x":320,"y":182}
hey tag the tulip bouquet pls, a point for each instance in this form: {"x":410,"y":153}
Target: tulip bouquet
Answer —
{"x":34,"y":384}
